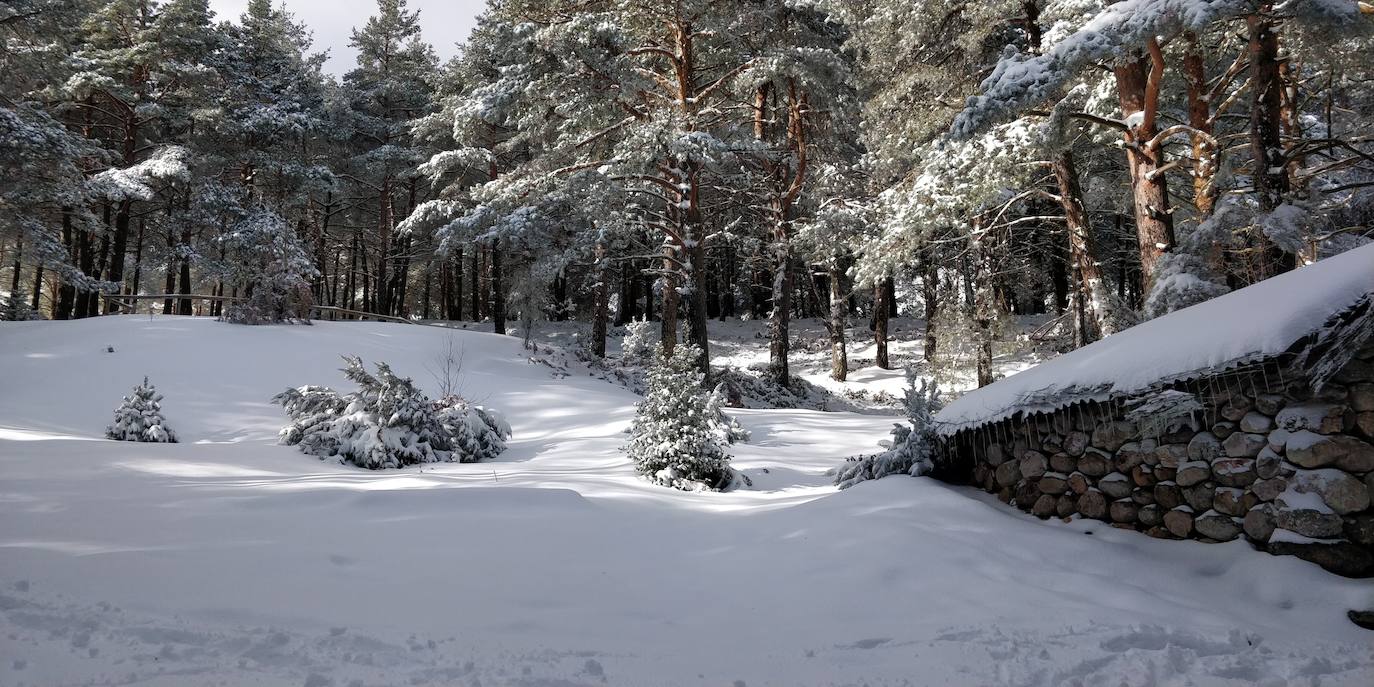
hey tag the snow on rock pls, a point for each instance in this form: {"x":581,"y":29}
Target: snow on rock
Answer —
{"x":1241,"y":326}
{"x":229,"y":559}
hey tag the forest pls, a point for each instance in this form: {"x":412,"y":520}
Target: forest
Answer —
{"x":683,"y":161}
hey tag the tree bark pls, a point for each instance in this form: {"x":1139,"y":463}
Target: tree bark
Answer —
{"x":37,"y":286}
{"x":930,"y":293}
{"x":983,"y":303}
{"x":478,"y":284}
{"x":600,"y":312}
{"x":138,"y":257}
{"x":779,"y":317}
{"x":1138,"y":84}
{"x":839,"y":320}
{"x":18,"y":257}
{"x":1266,"y":135}
{"x":1091,"y":290}
{"x":498,"y":291}
{"x":1200,"y":118}
{"x":881,"y":293}
{"x":66,"y":294}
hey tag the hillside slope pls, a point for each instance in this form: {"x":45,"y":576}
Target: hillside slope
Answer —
{"x":228,"y":559}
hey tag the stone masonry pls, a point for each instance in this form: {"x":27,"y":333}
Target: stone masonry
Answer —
{"x":1266,"y":459}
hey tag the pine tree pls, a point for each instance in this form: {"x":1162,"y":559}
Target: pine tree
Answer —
{"x":911,"y":450}
{"x":673,"y":440}
{"x":273,"y":268}
{"x":390,"y":87}
{"x":388,"y":423}
{"x":15,"y":307}
{"x":139,"y":418}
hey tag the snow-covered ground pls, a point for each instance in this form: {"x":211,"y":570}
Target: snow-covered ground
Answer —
{"x":230,"y":560}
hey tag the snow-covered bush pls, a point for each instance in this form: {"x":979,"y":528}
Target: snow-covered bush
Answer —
{"x":388,"y":423}
{"x":139,"y":418}
{"x":674,"y":440}
{"x":272,"y":268}
{"x":15,"y":307}
{"x":640,"y":342}
{"x":911,"y":450}
{"x":728,"y":429}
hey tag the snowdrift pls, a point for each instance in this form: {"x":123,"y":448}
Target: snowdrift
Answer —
{"x":228,"y":559}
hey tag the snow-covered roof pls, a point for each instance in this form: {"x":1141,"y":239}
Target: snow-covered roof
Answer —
{"x":1248,"y":325}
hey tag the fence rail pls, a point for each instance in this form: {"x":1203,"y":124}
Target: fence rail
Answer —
{"x":130,"y":299}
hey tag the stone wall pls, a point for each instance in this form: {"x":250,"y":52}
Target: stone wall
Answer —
{"x":1265,"y":459}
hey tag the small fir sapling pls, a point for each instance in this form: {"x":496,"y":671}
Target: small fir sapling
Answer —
{"x":640,"y":342}
{"x":727,"y":428}
{"x":388,"y":423}
{"x":139,"y":418}
{"x":674,"y":439}
{"x":273,"y":268}
{"x":911,"y":450}
{"x":15,"y":307}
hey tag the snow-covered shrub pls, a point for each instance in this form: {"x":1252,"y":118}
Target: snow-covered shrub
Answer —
{"x":728,"y":429}
{"x":673,"y":439}
{"x":475,"y":433}
{"x":388,"y":423}
{"x":15,"y":307}
{"x":272,"y":268}
{"x":139,"y":418}
{"x":911,"y":450}
{"x":640,"y":342}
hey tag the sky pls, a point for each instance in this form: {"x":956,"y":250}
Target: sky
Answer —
{"x":445,"y":23}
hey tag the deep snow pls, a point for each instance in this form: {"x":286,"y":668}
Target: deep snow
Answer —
{"x":1249,"y":324}
{"x":230,"y":560}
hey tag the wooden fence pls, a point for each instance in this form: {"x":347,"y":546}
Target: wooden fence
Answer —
{"x":132,"y":301}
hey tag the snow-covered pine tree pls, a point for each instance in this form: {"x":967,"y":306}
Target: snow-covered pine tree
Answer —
{"x":911,"y":450}
{"x":640,"y":341}
{"x":271,"y":265}
{"x":475,"y":433}
{"x":388,"y":423}
{"x":728,"y":428}
{"x":139,"y":418}
{"x":390,"y":86}
{"x":15,"y":307}
{"x":673,"y":440}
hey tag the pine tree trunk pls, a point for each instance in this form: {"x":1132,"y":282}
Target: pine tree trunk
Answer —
{"x":629,"y":293}
{"x":1138,"y":83}
{"x":779,"y":317}
{"x":425,"y":311}
{"x":18,"y":256}
{"x":119,"y":249}
{"x":603,"y":296}
{"x":1266,"y":139}
{"x":350,"y":285}
{"x":66,"y":294}
{"x":983,"y":302}
{"x":87,"y":266}
{"x":930,"y":293}
{"x":880,"y":319}
{"x":1091,"y":289}
{"x":381,"y":301}
{"x":138,"y":258}
{"x":478,"y":285}
{"x":668,"y":319}
{"x":839,"y":321}
{"x":498,"y":293}
{"x":37,"y":286}
{"x":1059,"y":276}
{"x":169,"y":284}
{"x":1200,"y":118}
{"x":456,"y":290}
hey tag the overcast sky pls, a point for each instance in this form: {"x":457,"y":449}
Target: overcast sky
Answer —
{"x":445,"y":23}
